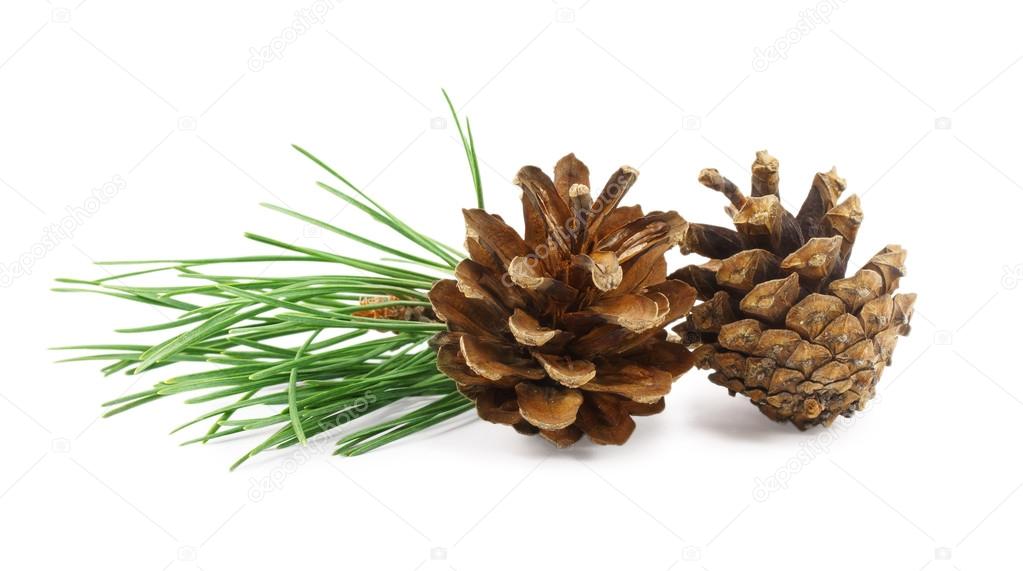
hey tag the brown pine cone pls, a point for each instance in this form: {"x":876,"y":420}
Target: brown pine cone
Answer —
{"x":562,"y":332}
{"x":780,"y":323}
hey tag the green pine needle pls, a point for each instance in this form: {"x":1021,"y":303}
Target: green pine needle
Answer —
{"x":296,"y":424}
{"x":470,"y":151}
{"x":245,"y":327}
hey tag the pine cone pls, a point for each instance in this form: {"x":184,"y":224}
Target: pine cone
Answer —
{"x":562,"y":332}
{"x":780,"y":323}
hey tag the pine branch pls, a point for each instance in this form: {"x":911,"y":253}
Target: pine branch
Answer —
{"x":245,"y":327}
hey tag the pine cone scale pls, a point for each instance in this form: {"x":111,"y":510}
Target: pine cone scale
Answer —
{"x":548,"y":407}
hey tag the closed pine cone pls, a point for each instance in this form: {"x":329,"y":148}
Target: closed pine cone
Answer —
{"x":780,"y":322}
{"x":562,"y":332}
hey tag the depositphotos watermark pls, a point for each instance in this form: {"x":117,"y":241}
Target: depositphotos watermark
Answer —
{"x":61,"y":231}
{"x":809,"y":20}
{"x":809,"y":450}
{"x":305,"y":20}
{"x":274,"y":480}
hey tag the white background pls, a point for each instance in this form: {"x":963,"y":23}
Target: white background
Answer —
{"x":916,"y":103}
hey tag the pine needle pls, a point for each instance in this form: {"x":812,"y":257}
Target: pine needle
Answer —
{"x":296,"y":424}
{"x":244,"y":328}
{"x":470,"y":151}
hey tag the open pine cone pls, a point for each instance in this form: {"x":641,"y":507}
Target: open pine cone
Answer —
{"x":562,"y":332}
{"x":780,"y":322}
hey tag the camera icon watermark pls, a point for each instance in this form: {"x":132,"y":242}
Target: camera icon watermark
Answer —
{"x":60,"y":446}
{"x":60,"y":15}
{"x":438,"y":554}
{"x":438,"y":123}
{"x":943,"y":123}
{"x":943,"y":337}
{"x":187,"y":123}
{"x":564,"y":15}
{"x":690,"y":338}
{"x":310,"y":231}
{"x":187,"y":553}
{"x":691,"y":553}
{"x":692,"y":122}
{"x":942,"y":554}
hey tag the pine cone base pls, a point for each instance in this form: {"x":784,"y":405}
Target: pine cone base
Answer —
{"x":804,"y":378}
